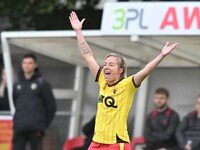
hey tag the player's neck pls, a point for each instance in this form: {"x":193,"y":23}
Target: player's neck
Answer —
{"x":28,"y":75}
{"x":114,"y":82}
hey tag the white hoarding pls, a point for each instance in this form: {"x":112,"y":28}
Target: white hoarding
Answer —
{"x":151,"y":18}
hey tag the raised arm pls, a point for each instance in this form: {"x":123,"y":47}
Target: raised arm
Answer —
{"x":141,"y":75}
{"x":83,"y":46}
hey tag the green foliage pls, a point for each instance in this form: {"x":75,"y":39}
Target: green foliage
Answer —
{"x":22,"y":11}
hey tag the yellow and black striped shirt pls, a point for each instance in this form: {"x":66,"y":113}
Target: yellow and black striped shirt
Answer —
{"x":114,"y":104}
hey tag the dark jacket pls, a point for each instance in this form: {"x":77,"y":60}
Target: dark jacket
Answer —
{"x":189,"y":130}
{"x":34,"y":103}
{"x":4,"y":102}
{"x":160,"y":129}
{"x":88,"y":130}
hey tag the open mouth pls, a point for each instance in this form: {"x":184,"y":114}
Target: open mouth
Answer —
{"x":107,"y":73}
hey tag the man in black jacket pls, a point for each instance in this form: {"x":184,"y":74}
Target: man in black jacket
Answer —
{"x":161,"y":124}
{"x":188,"y":132}
{"x":35,"y":106}
{"x":4,"y":102}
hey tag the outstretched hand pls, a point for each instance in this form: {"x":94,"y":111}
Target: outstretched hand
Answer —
{"x":76,"y":24}
{"x":168,"y":48}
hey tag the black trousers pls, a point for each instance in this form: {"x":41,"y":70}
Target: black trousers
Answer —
{"x":21,"y":138}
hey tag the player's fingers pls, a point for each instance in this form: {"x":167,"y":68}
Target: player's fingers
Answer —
{"x":74,"y":15}
{"x":175,"y":44}
{"x":70,"y":19}
{"x":82,"y":20}
{"x":166,"y":44}
{"x":71,"y":16}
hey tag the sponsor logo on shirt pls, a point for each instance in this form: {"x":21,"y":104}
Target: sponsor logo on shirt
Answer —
{"x":108,"y":101}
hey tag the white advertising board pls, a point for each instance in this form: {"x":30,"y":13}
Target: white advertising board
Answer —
{"x":151,"y":18}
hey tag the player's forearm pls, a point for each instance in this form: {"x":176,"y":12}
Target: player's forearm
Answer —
{"x":152,"y":65}
{"x":141,"y":75}
{"x":83,"y":46}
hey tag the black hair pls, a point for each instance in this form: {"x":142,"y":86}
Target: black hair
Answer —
{"x":162,"y":91}
{"x":30,"y":55}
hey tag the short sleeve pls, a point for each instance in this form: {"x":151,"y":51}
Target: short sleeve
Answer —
{"x":100,"y":77}
{"x":134,"y":82}
{"x":98,"y":74}
{"x":130,"y":83}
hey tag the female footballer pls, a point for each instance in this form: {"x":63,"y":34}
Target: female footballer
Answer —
{"x":116,"y":92}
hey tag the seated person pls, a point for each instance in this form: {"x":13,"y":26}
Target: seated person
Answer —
{"x":161,"y":124}
{"x":188,"y":132}
{"x":88,"y":130}
{"x":4,"y":102}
